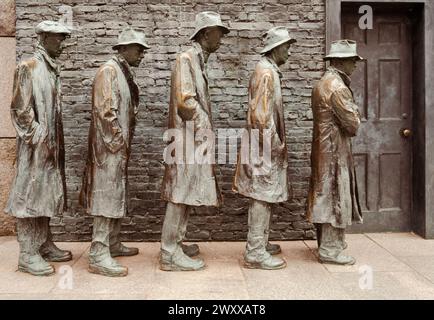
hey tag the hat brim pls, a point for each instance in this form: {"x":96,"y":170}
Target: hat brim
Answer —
{"x":275,"y":45}
{"x":225,"y":30}
{"x":144,"y":45}
{"x":343,"y":56}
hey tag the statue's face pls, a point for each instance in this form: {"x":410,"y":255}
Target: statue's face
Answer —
{"x":213,"y":38}
{"x":281,"y":53}
{"x":52,"y":42}
{"x":133,"y":53}
{"x":349,"y":65}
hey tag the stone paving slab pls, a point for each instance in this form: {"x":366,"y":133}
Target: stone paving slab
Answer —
{"x":382,"y":272}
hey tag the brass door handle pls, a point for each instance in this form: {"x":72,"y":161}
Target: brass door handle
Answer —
{"x":406,"y":133}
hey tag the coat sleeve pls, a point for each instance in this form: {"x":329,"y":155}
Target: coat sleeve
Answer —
{"x":188,"y":106}
{"x":105,"y":108}
{"x":346,"y":111}
{"x":22,"y":107}
{"x":261,"y":107}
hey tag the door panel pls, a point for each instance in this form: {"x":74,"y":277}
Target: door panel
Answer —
{"x":382,"y":88}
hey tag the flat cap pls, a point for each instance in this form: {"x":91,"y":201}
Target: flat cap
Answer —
{"x":52,"y":27}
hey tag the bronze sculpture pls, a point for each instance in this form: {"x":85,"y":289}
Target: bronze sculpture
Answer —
{"x":186,"y":185}
{"x":115,"y":100}
{"x":38,"y":191}
{"x":333,"y":202}
{"x":265,"y":114}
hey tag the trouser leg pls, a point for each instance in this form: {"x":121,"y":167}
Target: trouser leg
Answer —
{"x":49,"y":250}
{"x":31,"y":234}
{"x":332,"y":245}
{"x":172,"y":257}
{"x":100,"y":260}
{"x":115,"y":231}
{"x":174,"y":227}
{"x":183,"y":225}
{"x":258,"y":219}
{"x":330,"y":241}
{"x":117,"y":249}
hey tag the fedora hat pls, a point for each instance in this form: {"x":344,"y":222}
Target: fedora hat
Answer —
{"x":343,"y":49}
{"x":208,"y":19}
{"x":48,"y":26}
{"x":131,"y":36}
{"x":275,"y":37}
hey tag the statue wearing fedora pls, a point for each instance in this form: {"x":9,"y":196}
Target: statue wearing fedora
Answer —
{"x":115,"y":101}
{"x":333,"y":202}
{"x":188,"y":185}
{"x":265,"y":183}
{"x":38,"y":191}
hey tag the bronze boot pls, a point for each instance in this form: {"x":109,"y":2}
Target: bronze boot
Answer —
{"x":101,"y":262}
{"x":49,"y":251}
{"x":191,"y":250}
{"x":179,"y":262}
{"x":30,"y":237}
{"x":117,"y":249}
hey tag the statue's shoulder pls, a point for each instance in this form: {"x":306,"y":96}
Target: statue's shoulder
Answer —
{"x":28,"y":65}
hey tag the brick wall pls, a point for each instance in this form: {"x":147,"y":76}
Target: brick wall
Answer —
{"x":168,"y":24}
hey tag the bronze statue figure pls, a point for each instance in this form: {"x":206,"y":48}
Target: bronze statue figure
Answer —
{"x":189,"y":184}
{"x":333,"y":201}
{"x":265,"y":114}
{"x":38,"y":191}
{"x":115,"y":100}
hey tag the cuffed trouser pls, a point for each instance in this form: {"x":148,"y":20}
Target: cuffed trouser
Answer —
{"x":104,"y":230}
{"x":32,"y":233}
{"x":174,"y":227}
{"x":257,"y":237}
{"x":332,"y":240}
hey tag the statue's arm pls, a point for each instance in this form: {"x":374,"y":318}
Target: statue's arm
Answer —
{"x":22,"y":107}
{"x":189,"y":108}
{"x":105,"y":108}
{"x":346,"y":111}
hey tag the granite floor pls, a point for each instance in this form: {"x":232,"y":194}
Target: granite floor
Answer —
{"x":389,"y":266}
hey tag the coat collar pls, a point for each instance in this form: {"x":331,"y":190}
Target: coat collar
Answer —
{"x":125,"y":67}
{"x":43,"y":54}
{"x":199,"y":51}
{"x":274,"y":65}
{"x":345,"y":78}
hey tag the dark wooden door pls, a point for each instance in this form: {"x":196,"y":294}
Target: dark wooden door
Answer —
{"x":383,"y":90}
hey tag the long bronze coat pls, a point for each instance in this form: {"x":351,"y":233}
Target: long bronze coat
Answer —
{"x":265,"y":112}
{"x":333,"y":196}
{"x":183,"y":183}
{"x":115,"y":99}
{"x":38,"y":189}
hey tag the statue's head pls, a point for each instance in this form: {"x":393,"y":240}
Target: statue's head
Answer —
{"x":132,"y":45}
{"x":343,"y":56}
{"x":209,"y":30}
{"x":277,"y":44}
{"x":51,"y":35}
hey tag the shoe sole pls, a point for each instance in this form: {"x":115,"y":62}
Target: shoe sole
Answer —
{"x":114,"y":255}
{"x":337,"y":263}
{"x":39,"y":274}
{"x":172,"y":268}
{"x":249,"y":265}
{"x":66,"y":259}
{"x":273,"y":253}
{"x":104,"y":272}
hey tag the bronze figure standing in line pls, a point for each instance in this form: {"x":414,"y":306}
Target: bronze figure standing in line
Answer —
{"x":189,"y":184}
{"x":269,"y":185}
{"x":333,"y":201}
{"x":38,"y":191}
{"x":115,"y":101}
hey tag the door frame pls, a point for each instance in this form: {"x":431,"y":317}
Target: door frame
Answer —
{"x":422,"y":215}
